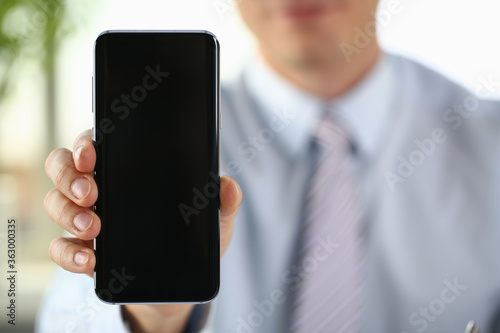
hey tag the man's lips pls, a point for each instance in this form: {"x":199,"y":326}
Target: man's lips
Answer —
{"x":303,"y":12}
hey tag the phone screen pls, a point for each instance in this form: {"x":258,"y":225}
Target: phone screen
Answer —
{"x":156,"y":133}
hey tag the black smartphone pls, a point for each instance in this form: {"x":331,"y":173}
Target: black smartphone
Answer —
{"x":156,"y":135}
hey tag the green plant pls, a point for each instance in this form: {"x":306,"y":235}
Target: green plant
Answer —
{"x":33,"y":30}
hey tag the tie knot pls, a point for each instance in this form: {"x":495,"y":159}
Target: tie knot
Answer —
{"x":331,"y":134}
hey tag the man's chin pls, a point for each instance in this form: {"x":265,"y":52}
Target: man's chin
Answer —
{"x":308,"y":58}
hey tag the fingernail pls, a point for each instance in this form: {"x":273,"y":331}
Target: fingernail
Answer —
{"x":81,"y":258}
{"x":234,"y":184}
{"x":80,"y":187}
{"x":238,"y":188}
{"x":83,"y":221}
{"x":78,"y":152}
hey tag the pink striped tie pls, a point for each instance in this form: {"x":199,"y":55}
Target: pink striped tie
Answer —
{"x":329,"y":297}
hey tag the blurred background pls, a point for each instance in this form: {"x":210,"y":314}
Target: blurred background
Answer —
{"x":46,"y":64}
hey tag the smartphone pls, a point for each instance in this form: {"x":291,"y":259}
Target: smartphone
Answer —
{"x":156,"y":135}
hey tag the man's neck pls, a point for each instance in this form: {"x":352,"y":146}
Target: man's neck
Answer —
{"x":331,"y":79}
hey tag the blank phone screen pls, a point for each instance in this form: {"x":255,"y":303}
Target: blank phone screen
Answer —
{"x":156,"y":120}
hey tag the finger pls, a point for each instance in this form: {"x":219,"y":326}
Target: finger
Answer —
{"x":73,"y":254}
{"x":78,"y":187}
{"x":84,"y":153}
{"x":80,"y":222}
{"x":230,"y":199}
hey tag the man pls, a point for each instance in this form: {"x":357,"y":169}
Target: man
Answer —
{"x":422,"y":156}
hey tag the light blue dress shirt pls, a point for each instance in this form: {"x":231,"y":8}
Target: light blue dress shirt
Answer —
{"x":427,"y":158}
{"x":266,"y":135}
{"x":427,"y":155}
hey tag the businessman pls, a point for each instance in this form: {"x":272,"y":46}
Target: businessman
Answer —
{"x":370,"y":187}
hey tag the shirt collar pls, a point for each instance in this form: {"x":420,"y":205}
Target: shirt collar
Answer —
{"x":364,"y":109}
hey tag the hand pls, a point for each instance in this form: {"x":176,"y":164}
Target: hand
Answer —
{"x":68,"y":205}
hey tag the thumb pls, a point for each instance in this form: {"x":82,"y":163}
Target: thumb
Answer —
{"x":230,"y":199}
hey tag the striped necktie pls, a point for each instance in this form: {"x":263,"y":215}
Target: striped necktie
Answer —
{"x":329,"y":299}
